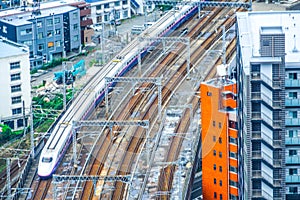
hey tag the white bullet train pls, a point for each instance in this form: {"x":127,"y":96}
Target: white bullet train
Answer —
{"x":93,"y":92}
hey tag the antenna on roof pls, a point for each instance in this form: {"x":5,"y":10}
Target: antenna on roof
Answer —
{"x":24,"y":4}
{"x":36,"y":7}
{"x":295,"y":48}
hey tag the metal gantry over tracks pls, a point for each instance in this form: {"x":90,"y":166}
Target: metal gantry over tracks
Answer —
{"x":78,"y":178}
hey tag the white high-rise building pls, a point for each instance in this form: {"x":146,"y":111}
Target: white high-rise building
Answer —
{"x":14,"y":84}
{"x":268,"y":68}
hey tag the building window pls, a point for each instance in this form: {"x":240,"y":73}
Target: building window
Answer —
{"x":117,"y":3}
{"x":57,"y":43}
{"x":233,"y":169}
{"x":232,"y":155}
{"x":57,"y":31}
{"x":209,"y":94}
{"x":293,"y":95}
{"x":20,"y":123}
{"x":220,"y":125}
{"x":75,"y":26}
{"x":214,"y":138}
{"x":125,"y":13}
{"x":28,"y":42}
{"x":215,"y":195}
{"x":75,"y":38}
{"x":15,"y":77}
{"x":215,"y":167}
{"x":15,"y":65}
{"x":255,"y":68}
{"x":98,"y":7}
{"x":16,"y":111}
{"x":124,"y":2}
{"x":293,"y":190}
{"x":214,"y":123}
{"x":56,"y":20}
{"x":4,"y":29}
{"x":221,"y":196}
{"x":26,"y":31}
{"x":233,"y":183}
{"x":232,"y":197}
{"x":50,"y":45}
{"x":215,"y":152}
{"x":220,"y":154}
{"x":15,"y":100}
{"x":106,"y":5}
{"x":220,"y":140}
{"x":75,"y":15}
{"x":215,"y":181}
{"x":49,"y":22}
{"x":49,"y":33}
{"x":221,"y":183}
{"x":40,"y":47}
{"x":293,"y":171}
{"x":220,"y":168}
{"x":293,"y":76}
{"x":16,"y":88}
{"x":232,"y":140}
{"x":292,"y":152}
{"x":266,"y":43}
{"x":293,"y":114}
{"x":292,"y":133}
{"x":39,"y":24}
{"x":40,"y":35}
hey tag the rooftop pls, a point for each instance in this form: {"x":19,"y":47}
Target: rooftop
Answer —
{"x":9,"y":48}
{"x":270,"y":22}
{"x":29,"y":8}
{"x":22,"y":18}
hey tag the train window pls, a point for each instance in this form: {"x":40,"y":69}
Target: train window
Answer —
{"x":47,"y":160}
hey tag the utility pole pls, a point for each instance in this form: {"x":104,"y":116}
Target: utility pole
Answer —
{"x":8,"y":178}
{"x":31,"y":132}
{"x":64,"y":86}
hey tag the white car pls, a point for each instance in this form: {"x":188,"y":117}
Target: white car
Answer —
{"x":97,"y":27}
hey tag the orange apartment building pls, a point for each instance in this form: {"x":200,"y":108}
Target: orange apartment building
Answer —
{"x":219,"y":139}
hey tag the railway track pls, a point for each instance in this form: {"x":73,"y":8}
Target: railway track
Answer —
{"x":134,"y":144}
{"x":108,"y":139}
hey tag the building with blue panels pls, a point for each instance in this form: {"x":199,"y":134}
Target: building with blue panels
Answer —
{"x":49,"y":33}
{"x":268,"y":71}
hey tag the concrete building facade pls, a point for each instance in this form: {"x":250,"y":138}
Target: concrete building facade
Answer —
{"x":49,"y":33}
{"x":220,"y":177}
{"x":108,"y":11}
{"x":15,"y":90}
{"x":268,"y":71}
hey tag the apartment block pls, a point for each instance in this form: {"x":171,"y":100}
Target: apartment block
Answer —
{"x":220,"y":179}
{"x":107,"y":11}
{"x":15,"y":84}
{"x":49,"y":32}
{"x":268,"y":71}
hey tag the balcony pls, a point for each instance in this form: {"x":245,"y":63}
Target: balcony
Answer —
{"x":86,"y":22}
{"x":292,"y":179}
{"x":292,"y":160}
{"x":256,"y":193}
{"x":292,"y":82}
{"x":292,"y":141}
{"x":262,"y":155}
{"x":277,"y":183}
{"x":292,"y":121}
{"x":85,"y":12}
{"x":292,"y":102}
{"x":266,"y":79}
{"x":256,"y":174}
